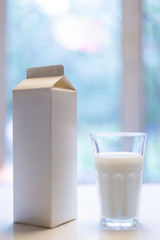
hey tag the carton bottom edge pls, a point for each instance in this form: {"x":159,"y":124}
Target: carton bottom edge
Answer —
{"x":43,"y":226}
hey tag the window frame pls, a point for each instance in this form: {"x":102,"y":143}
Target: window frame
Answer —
{"x":2,"y":80}
{"x":132,"y":76}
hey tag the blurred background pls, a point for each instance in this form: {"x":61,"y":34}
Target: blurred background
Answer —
{"x":90,"y":38}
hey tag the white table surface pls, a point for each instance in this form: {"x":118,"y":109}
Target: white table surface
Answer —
{"x":87,"y":224}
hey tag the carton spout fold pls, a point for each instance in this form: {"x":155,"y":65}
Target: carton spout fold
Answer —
{"x":47,"y":71}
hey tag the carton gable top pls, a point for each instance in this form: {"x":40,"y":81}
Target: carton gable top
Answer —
{"x":45,"y":77}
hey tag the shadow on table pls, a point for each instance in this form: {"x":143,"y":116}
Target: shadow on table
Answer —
{"x":17,"y":231}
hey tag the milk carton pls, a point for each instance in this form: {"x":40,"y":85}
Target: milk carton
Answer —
{"x":45,"y":148}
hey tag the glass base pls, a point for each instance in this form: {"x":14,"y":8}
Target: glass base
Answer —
{"x":119,"y":225}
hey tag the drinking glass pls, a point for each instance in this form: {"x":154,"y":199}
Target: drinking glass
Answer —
{"x":118,"y":161}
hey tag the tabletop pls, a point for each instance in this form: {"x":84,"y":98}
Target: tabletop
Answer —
{"x":86,"y":226}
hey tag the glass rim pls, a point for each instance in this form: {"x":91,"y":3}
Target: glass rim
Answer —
{"x":118,"y":134}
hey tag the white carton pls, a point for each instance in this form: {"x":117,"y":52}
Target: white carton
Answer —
{"x":45,"y":148}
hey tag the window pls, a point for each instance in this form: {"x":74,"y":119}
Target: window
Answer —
{"x":86,"y":37}
{"x":151,"y":60}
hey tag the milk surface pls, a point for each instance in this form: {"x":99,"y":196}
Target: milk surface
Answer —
{"x":119,"y":177}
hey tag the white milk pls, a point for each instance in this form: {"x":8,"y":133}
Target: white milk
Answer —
{"x":119,"y":177}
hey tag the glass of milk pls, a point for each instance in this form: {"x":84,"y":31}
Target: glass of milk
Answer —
{"x":118,"y":161}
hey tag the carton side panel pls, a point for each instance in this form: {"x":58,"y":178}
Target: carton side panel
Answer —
{"x":31,"y":156}
{"x":64,"y":156}
{"x":64,"y":83}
